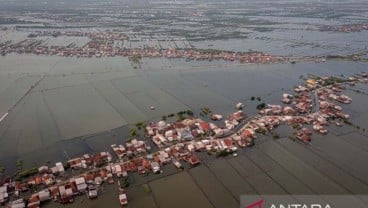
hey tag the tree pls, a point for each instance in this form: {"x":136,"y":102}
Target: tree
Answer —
{"x":261,"y":106}
{"x":275,"y":135}
{"x":146,"y":188}
{"x":2,"y":169}
{"x":190,"y":113}
{"x":133,"y":133}
{"x":26,"y":173}
{"x":101,"y":164}
{"x":251,"y":143}
{"x":125,"y":183}
{"x":19,"y":163}
{"x":222,"y":153}
{"x":180,"y":117}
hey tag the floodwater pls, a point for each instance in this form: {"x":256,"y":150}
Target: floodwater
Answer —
{"x":85,"y":105}
{"x":81,"y":97}
{"x":178,"y":191}
{"x":60,"y":108}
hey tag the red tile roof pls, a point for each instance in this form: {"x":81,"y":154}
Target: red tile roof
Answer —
{"x":204,"y":126}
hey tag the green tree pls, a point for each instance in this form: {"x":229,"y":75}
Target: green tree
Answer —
{"x":146,"y":188}
{"x":190,"y":113}
{"x":261,"y":106}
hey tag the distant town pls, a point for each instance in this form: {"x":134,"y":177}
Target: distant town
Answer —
{"x":103,"y":44}
{"x":314,"y":104}
{"x":345,"y":28}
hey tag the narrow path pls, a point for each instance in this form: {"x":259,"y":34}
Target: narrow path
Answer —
{"x":29,"y":91}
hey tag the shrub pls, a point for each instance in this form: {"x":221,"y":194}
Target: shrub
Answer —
{"x":190,"y":113}
{"x":146,"y":188}
{"x":261,"y":106}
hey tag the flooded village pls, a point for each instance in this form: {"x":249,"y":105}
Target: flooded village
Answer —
{"x":104,"y":44}
{"x":315,"y":104}
{"x":161,"y":104}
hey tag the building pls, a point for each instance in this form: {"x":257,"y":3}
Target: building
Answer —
{"x":34,"y":201}
{"x":122,"y":197}
{"x":75,"y":163}
{"x":81,"y":184}
{"x":59,"y":167}
{"x":92,"y":192}
{"x":239,"y":106}
{"x":155,"y":167}
{"x":17,"y":204}
{"x":44,"y":195}
{"x":116,"y":169}
{"x":194,"y":160}
{"x":176,"y":163}
{"x":3,"y":194}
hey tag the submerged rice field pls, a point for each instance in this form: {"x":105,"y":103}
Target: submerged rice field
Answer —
{"x":76,"y":110}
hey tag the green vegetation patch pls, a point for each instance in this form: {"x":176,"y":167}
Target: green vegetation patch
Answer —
{"x":146,"y":188}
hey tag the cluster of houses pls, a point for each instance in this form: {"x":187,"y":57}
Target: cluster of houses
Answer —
{"x":102,"y":44}
{"x":153,"y":162}
{"x":133,"y":147}
{"x":242,"y":57}
{"x":345,"y":28}
{"x":134,"y":156}
{"x":165,"y":134}
{"x":315,"y":103}
{"x":95,"y":35}
{"x":50,"y":183}
{"x":88,"y":161}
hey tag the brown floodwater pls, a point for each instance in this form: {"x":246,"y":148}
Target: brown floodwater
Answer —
{"x":84,"y":106}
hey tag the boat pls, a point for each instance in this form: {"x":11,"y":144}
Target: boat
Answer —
{"x":152,"y":108}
